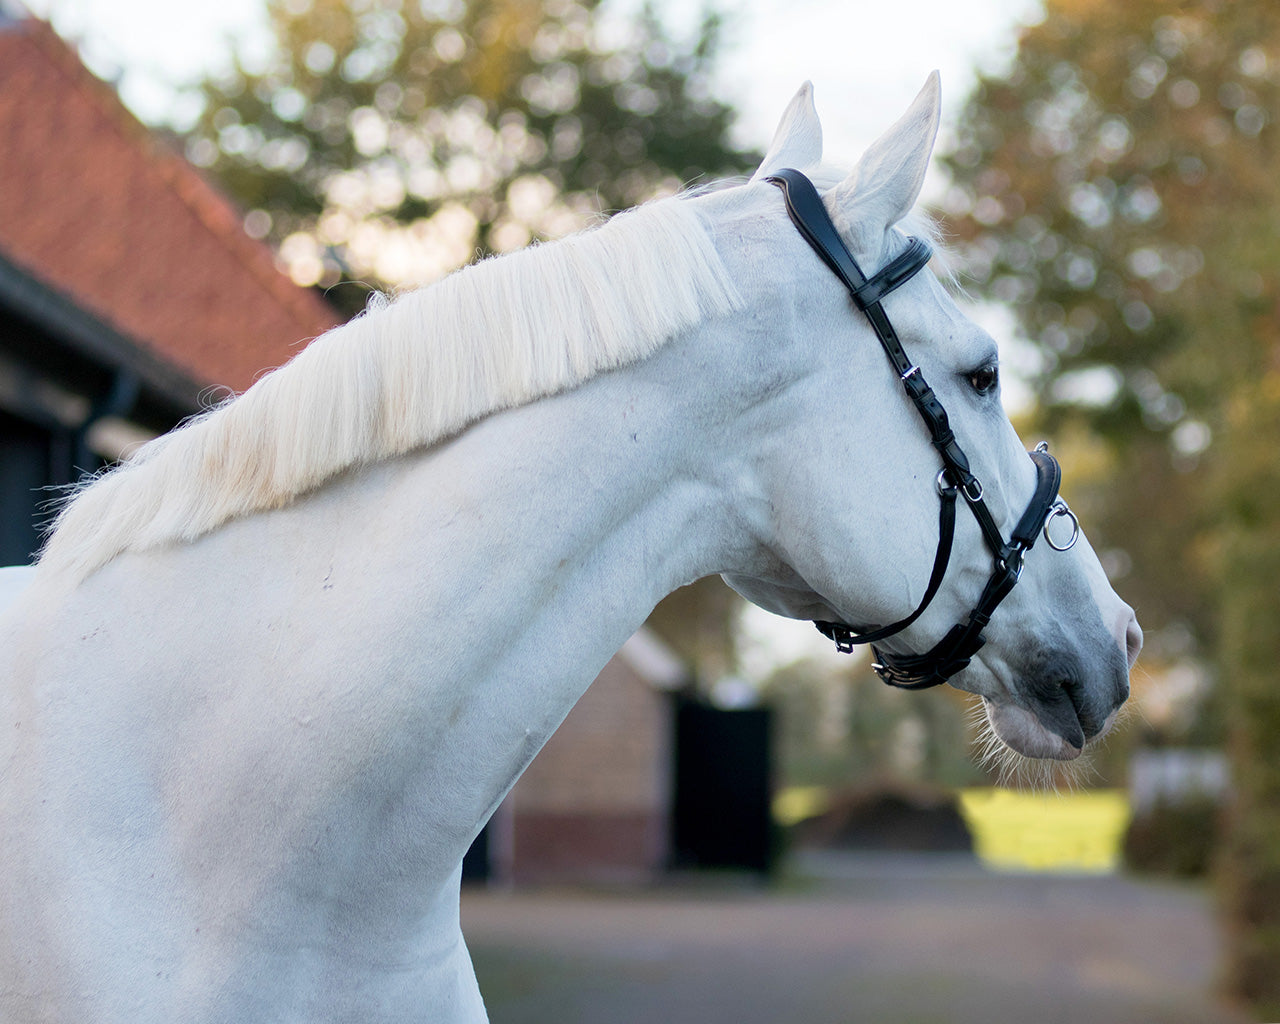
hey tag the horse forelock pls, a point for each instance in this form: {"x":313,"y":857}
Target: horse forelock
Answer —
{"x":406,"y":373}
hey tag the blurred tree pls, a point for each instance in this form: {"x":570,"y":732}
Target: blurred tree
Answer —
{"x":697,"y":622}
{"x":1117,"y":189}
{"x":390,"y":140}
{"x":1109,"y":190}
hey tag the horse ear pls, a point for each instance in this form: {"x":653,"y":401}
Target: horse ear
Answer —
{"x":798,"y":141}
{"x":886,"y":182}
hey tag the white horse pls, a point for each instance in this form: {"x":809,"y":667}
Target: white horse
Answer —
{"x":14,"y":579}
{"x":274,"y":674}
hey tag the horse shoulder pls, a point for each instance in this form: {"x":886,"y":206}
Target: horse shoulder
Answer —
{"x":14,"y":580}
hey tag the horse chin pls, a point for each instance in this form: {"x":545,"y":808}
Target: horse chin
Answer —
{"x":1022,"y":732}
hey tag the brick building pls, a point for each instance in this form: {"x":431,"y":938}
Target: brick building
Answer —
{"x":128,"y":287}
{"x":595,"y":805}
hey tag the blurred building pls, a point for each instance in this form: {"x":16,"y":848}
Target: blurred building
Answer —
{"x":642,"y":778}
{"x":595,"y":805}
{"x":128,"y":287}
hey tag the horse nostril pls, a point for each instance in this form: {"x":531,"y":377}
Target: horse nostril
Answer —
{"x":1133,"y":639}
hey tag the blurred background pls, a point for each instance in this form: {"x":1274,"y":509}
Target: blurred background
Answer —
{"x":188,"y":190}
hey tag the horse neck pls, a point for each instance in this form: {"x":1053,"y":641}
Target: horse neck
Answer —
{"x":512,"y":562}
{"x":390,"y":652}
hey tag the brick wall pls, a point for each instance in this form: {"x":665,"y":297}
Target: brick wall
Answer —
{"x":595,"y":803}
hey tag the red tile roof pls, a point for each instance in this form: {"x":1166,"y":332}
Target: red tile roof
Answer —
{"x":97,"y":207}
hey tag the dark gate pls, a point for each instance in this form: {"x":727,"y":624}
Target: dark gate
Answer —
{"x":31,"y":458}
{"x":475,"y":865}
{"x":723,"y":788}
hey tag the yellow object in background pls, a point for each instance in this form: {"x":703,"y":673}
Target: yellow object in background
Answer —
{"x":1013,"y":830}
{"x":796,"y":803}
{"x":1070,"y":832}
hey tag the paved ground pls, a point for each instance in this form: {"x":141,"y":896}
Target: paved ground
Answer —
{"x":900,"y":941}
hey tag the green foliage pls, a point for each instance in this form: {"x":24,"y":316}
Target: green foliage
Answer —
{"x":834,"y":726}
{"x":1249,"y":881}
{"x":1177,"y":839}
{"x":1249,"y":889}
{"x":1118,"y":188}
{"x":390,"y":139}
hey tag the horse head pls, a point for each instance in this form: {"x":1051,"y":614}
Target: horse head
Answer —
{"x":843,"y":499}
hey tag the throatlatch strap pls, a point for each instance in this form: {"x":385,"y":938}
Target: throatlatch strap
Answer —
{"x":846,"y":638}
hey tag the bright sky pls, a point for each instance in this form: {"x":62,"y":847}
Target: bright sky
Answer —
{"x":866,"y":58}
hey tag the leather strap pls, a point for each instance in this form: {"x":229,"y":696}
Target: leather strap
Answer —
{"x":847,"y":638}
{"x":1048,"y":480}
{"x":809,"y":214}
{"x":954,"y":651}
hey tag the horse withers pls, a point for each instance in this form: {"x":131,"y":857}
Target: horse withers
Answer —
{"x":273,"y":674}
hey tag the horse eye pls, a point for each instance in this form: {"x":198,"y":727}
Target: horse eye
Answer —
{"x":985,"y":379}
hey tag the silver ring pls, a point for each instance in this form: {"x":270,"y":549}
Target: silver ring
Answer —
{"x":1060,"y":509}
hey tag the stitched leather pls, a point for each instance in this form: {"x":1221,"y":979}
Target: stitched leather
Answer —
{"x":955,"y":650}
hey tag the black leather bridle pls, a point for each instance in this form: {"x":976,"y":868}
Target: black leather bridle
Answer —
{"x":954,"y":651}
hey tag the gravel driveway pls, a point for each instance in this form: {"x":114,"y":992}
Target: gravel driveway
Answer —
{"x":851,"y":939}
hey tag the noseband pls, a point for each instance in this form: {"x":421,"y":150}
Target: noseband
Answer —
{"x":954,"y":651}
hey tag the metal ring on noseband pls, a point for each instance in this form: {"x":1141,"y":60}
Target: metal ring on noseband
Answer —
{"x":1060,"y":509}
{"x":954,"y":651}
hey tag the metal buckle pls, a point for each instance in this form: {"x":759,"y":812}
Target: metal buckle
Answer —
{"x":946,"y":486}
{"x":1012,"y":562}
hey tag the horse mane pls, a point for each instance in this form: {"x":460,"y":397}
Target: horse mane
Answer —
{"x":405,"y":374}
